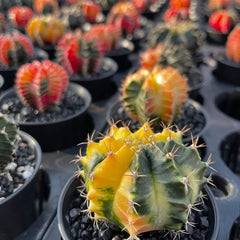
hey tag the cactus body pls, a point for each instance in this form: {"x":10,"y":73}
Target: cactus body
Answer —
{"x":125,"y":17}
{"x":15,"y":49}
{"x":142,"y":181}
{"x":233,"y":45}
{"x":90,"y":10}
{"x":45,"y":29}
{"x":80,"y":55}
{"x":8,"y":136}
{"x":157,"y":94}
{"x":41,"y":85}
{"x":176,"y":15}
{"x":183,"y":33}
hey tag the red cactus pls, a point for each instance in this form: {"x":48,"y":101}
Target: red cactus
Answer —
{"x":15,"y":49}
{"x":78,"y":54}
{"x":223,"y":20}
{"x":108,"y":34}
{"x":233,"y":45}
{"x":90,"y":10}
{"x":41,"y":85}
{"x":180,"y":3}
{"x":125,"y":17}
{"x":175,"y":15}
{"x":19,"y":16}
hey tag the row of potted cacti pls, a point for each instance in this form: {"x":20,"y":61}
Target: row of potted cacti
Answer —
{"x":142,"y":180}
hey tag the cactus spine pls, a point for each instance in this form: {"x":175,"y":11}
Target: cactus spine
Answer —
{"x":142,"y":181}
{"x":8,"y":137}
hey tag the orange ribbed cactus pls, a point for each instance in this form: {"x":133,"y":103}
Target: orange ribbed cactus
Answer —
{"x":157,"y":94}
{"x":233,"y":45}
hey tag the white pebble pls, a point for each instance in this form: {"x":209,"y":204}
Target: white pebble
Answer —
{"x":27,"y":173}
{"x":11,"y":166}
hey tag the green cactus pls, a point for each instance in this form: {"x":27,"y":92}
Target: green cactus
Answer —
{"x":142,"y":181}
{"x":8,"y":137}
{"x":183,"y":33}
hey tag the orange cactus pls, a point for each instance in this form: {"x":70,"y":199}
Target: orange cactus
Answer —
{"x":45,"y":29}
{"x":233,"y":45}
{"x":90,"y":10}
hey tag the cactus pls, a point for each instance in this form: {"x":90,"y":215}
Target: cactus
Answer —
{"x":19,"y":16}
{"x":45,"y":29}
{"x":8,"y":138}
{"x":176,"y":15}
{"x":184,"y":33}
{"x":180,"y":4}
{"x":157,"y":94}
{"x":144,"y":5}
{"x":174,"y":56}
{"x":79,"y":55}
{"x":223,"y":20}
{"x":41,"y":85}
{"x":142,"y":181}
{"x":107,"y":34}
{"x":125,"y":17}
{"x":233,"y":45}
{"x":90,"y":10}
{"x":15,"y":49}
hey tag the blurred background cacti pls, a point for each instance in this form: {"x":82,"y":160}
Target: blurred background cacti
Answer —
{"x":233,"y":45}
{"x":45,"y":6}
{"x":45,"y":29}
{"x":15,"y":49}
{"x":157,"y":94}
{"x":142,"y":181}
{"x":79,"y":54}
{"x":8,"y":140}
{"x":41,"y":85}
{"x":144,"y":5}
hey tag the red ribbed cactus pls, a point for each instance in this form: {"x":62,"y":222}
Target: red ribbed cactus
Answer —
{"x":233,"y":45}
{"x":108,"y":34}
{"x":15,"y":49}
{"x":41,"y":85}
{"x":79,"y":54}
{"x":90,"y":10}
{"x":125,"y":17}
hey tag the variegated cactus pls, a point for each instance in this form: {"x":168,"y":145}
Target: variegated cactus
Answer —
{"x":184,"y":33}
{"x":125,"y":17}
{"x":8,"y":138}
{"x":41,"y":85}
{"x":79,"y":54}
{"x":233,"y":45}
{"x":108,"y":34}
{"x":142,"y":181}
{"x":15,"y":49}
{"x":158,"y":94}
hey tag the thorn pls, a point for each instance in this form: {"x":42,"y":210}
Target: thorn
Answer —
{"x":190,"y":224}
{"x":131,"y":225}
{"x":194,"y":143}
{"x":133,"y":237}
{"x":209,"y":162}
{"x":210,"y":180}
{"x":193,"y":207}
{"x":173,"y":152}
{"x":183,"y":130}
{"x":131,"y":204}
{"x":134,"y":174}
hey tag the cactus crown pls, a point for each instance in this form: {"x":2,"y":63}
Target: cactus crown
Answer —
{"x":125,"y":17}
{"x":15,"y":49}
{"x":108,"y":34}
{"x":8,"y":138}
{"x":157,"y":94}
{"x":142,"y":181}
{"x":233,"y":45}
{"x":183,"y":33}
{"x":45,"y":29}
{"x":80,"y":54}
{"x":41,"y":85}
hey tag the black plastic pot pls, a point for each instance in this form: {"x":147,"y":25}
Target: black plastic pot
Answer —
{"x":58,"y":134}
{"x":18,"y":210}
{"x":121,"y":54}
{"x":100,"y":85}
{"x":216,"y":37}
{"x":49,"y":48}
{"x":70,"y":191}
{"x":227,"y":70}
{"x":1,"y":81}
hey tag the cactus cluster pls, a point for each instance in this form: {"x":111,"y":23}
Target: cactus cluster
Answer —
{"x":46,"y":29}
{"x":184,"y":33}
{"x":125,"y":17}
{"x":233,"y":45}
{"x":8,"y":139}
{"x":15,"y":49}
{"x":157,"y":94}
{"x":142,"y":181}
{"x":108,"y":34}
{"x":79,"y":54}
{"x":41,"y":84}
{"x":174,"y":56}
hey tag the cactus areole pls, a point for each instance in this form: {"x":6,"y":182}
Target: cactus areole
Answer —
{"x":142,"y":181}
